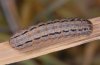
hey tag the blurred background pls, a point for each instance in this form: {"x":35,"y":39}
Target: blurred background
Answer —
{"x":20,"y":14}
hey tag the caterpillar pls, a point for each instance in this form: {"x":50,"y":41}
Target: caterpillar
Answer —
{"x":52,"y":30}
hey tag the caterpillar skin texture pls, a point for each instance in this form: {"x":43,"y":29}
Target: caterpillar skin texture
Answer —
{"x":64,"y":28}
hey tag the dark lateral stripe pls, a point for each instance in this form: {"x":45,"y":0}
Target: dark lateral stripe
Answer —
{"x":37,"y":38}
{"x":44,"y":35}
{"x":72,"y":19}
{"x":80,"y":29}
{"x":19,"y":45}
{"x":41,"y":25}
{"x":19,"y":35}
{"x":65,"y":20}
{"x":24,"y":32}
{"x":55,"y":21}
{"x":28,"y":41}
{"x":85,"y":28}
{"x":15,"y":36}
{"x":73,"y":30}
{"x":57,"y":32}
{"x":49,"y":23}
{"x":66,"y":31}
{"x":51,"y":33}
{"x":23,"y":44}
{"x":32,"y":28}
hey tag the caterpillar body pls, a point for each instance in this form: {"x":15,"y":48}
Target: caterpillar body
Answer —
{"x":57,"y":29}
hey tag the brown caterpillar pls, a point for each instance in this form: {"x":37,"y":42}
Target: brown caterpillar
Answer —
{"x":57,"y":29}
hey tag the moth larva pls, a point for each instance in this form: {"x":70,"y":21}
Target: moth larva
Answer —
{"x":33,"y":36}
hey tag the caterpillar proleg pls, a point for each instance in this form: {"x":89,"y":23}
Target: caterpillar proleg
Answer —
{"x":57,"y":29}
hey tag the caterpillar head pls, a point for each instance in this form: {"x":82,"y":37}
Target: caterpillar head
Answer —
{"x":20,"y":40}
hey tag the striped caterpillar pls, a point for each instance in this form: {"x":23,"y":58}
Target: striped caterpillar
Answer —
{"x":57,"y":29}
